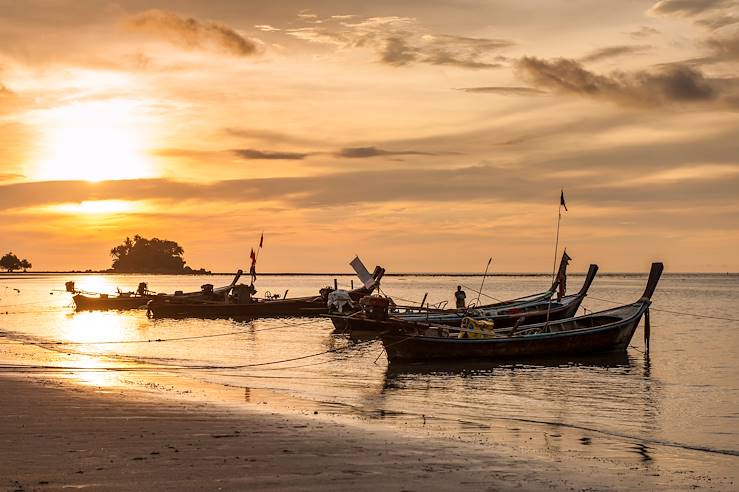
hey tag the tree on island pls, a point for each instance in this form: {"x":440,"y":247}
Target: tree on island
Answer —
{"x":155,"y":255}
{"x":10,"y":262}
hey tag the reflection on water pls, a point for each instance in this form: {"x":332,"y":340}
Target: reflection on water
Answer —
{"x":626,"y":406}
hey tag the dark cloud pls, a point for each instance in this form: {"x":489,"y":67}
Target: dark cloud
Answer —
{"x":664,"y":85}
{"x":504,"y":90}
{"x":270,"y":154}
{"x":614,"y":51}
{"x":364,"y":152}
{"x":724,"y":48}
{"x":463,"y":51}
{"x":689,"y":8}
{"x":193,"y":33}
{"x":397,"y":52}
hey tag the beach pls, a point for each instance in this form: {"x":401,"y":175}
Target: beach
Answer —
{"x":58,"y":435}
{"x":117,"y":401}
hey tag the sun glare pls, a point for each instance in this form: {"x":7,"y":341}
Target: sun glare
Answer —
{"x":93,"y":141}
{"x":93,"y":207}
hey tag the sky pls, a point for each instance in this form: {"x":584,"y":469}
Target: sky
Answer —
{"x":426,"y":136}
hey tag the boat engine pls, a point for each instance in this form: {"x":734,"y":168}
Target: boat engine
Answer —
{"x":324,"y":292}
{"x":143,"y":289}
{"x":375,"y":307}
{"x":70,"y":286}
{"x":242,"y":293}
{"x":338,"y":300}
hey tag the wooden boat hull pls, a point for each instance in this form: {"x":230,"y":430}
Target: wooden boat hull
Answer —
{"x":557,"y":312}
{"x":278,"y":308}
{"x":90,"y":303}
{"x":612,"y":337}
{"x":505,"y":315}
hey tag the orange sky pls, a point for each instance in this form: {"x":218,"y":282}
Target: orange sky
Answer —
{"x":425,"y":136}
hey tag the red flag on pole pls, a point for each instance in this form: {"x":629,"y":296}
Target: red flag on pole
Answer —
{"x":253,"y":257}
{"x":261,"y":241}
{"x":562,"y":200}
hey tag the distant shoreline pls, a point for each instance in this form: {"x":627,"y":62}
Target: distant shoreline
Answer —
{"x":352,"y":274}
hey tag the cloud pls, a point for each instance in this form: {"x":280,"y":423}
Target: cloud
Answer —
{"x":269,"y":136}
{"x":364,"y":152}
{"x":397,"y":52}
{"x":10,"y":177}
{"x":718,"y":21}
{"x":270,"y":155}
{"x":646,"y":88}
{"x":504,"y":90}
{"x":614,"y":51}
{"x":192,"y":33}
{"x":401,"y":41}
{"x":724,"y":48}
{"x":688,"y":8}
{"x":643,"y":32}
{"x":709,"y":14}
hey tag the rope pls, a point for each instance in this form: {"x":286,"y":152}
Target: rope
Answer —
{"x":193,"y":367}
{"x":151,"y":340}
{"x":670,"y":311}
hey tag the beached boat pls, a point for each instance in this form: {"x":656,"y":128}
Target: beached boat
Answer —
{"x":239,"y":303}
{"x":532,"y":309}
{"x":89,"y":301}
{"x":604,"y":331}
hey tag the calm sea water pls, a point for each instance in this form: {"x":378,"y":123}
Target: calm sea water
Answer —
{"x":677,"y":407}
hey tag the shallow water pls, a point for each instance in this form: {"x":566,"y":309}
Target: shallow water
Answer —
{"x":676,"y":408}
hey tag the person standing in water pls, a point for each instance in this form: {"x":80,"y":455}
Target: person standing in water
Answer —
{"x":460,"y":296}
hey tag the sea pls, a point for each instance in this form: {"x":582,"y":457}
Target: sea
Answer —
{"x":669,"y":412}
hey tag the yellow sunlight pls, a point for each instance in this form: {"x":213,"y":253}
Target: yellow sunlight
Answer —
{"x":93,"y":141}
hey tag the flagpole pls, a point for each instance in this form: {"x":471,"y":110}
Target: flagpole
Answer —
{"x":556,"y":249}
{"x":483,"y":281}
{"x":260,"y":244}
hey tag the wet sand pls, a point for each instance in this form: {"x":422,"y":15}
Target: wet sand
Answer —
{"x":54,"y":434}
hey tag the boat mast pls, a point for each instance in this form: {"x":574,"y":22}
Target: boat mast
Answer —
{"x":556,"y":243}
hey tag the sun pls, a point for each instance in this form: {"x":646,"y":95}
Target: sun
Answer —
{"x":93,"y":141}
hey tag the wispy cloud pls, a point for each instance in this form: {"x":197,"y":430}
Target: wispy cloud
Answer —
{"x":401,"y":41}
{"x":504,"y":90}
{"x":270,"y":154}
{"x":192,"y":33}
{"x":710,"y":14}
{"x":643,"y":32}
{"x":364,"y":152}
{"x":614,"y":51}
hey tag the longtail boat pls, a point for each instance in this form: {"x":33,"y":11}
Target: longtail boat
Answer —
{"x":239,"y":303}
{"x":528,"y":310}
{"x":604,"y":331}
{"x":89,"y":301}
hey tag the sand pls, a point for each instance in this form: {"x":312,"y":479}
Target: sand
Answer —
{"x":57,"y":434}
{"x":54,"y":435}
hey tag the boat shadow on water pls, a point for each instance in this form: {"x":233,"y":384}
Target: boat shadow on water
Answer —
{"x":462,"y":368}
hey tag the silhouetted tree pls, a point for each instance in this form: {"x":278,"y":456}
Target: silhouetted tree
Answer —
{"x":11,"y":262}
{"x":25,"y":265}
{"x":148,"y":255}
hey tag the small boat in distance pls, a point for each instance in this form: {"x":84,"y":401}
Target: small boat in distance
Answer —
{"x":238,"y":302}
{"x":91,"y":301}
{"x":605,"y":331}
